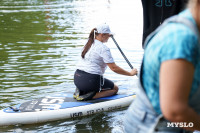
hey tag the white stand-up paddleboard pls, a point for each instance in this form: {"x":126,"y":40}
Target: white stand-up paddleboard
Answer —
{"x":59,"y":107}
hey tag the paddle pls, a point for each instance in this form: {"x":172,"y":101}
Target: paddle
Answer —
{"x":121,"y":52}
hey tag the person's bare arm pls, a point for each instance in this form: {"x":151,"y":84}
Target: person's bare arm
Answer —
{"x":176,"y":78}
{"x":119,"y":70}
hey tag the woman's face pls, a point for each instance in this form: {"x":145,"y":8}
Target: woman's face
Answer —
{"x":105,"y":37}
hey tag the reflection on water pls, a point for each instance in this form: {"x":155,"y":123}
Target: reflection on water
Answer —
{"x":40,"y":44}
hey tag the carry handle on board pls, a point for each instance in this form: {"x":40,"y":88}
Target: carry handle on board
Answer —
{"x":121,"y":52}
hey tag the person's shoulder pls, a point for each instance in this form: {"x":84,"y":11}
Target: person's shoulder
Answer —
{"x":102,"y":46}
{"x":182,"y":32}
{"x":178,"y":36}
{"x":177,"y":31}
{"x":184,"y":27}
{"x":181,"y":29}
{"x":172,"y":38}
{"x":105,"y":47}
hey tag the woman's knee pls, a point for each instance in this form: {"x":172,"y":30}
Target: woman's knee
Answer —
{"x":116,"y":88}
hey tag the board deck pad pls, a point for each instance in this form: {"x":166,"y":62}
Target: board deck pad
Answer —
{"x":56,"y":102}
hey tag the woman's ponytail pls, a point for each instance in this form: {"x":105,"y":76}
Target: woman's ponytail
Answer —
{"x":89,"y":43}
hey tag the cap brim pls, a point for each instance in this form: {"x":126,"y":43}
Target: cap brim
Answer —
{"x":111,"y":33}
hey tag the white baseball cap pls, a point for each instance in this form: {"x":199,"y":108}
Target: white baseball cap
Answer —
{"x":104,"y":28}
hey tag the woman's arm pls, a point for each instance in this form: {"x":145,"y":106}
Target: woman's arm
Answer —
{"x":119,"y":70}
{"x":176,"y":78}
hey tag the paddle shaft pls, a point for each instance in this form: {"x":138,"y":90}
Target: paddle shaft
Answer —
{"x":121,"y":52}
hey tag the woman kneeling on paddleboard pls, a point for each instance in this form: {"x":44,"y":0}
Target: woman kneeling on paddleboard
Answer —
{"x":95,"y":57}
